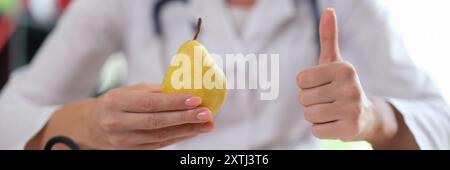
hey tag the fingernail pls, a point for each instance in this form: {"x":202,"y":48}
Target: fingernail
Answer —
{"x":207,"y":128}
{"x":203,"y":115}
{"x":331,"y":9}
{"x":193,"y":101}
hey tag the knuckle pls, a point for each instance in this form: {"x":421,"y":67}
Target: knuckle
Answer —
{"x":308,"y":115}
{"x":355,"y":110}
{"x":184,"y":117}
{"x":174,"y":101}
{"x":302,"y":98}
{"x":153,"y":121}
{"x":109,"y":100}
{"x":354,"y":92}
{"x":147,"y":103}
{"x":301,"y":79}
{"x":347,"y":70}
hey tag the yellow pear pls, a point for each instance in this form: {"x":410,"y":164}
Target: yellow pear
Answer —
{"x":193,"y":71}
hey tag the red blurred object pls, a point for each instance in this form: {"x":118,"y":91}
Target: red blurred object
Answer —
{"x":62,"y":4}
{"x":6,"y":29}
{"x":26,"y":4}
{"x":7,"y":25}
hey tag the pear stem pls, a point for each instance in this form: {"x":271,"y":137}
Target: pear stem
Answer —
{"x":199,"y":27}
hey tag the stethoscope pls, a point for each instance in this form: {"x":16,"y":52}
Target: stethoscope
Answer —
{"x":159,"y":5}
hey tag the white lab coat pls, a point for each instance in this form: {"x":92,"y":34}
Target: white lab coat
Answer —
{"x":67,"y":67}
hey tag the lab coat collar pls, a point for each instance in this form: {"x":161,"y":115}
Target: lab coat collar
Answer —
{"x":263,"y":22}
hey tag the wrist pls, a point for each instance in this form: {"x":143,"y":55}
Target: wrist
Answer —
{"x":80,"y":129}
{"x":385,"y":123}
{"x":69,"y":121}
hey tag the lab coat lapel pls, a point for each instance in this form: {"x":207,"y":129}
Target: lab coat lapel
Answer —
{"x":266,"y":19}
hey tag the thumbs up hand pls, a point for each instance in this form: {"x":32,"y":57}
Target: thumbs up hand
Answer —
{"x":331,"y":93}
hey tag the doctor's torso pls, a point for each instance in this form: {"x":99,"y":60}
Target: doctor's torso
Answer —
{"x":281,"y":27}
{"x":68,"y":66}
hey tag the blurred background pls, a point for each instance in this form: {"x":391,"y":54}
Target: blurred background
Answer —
{"x":424,"y":24}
